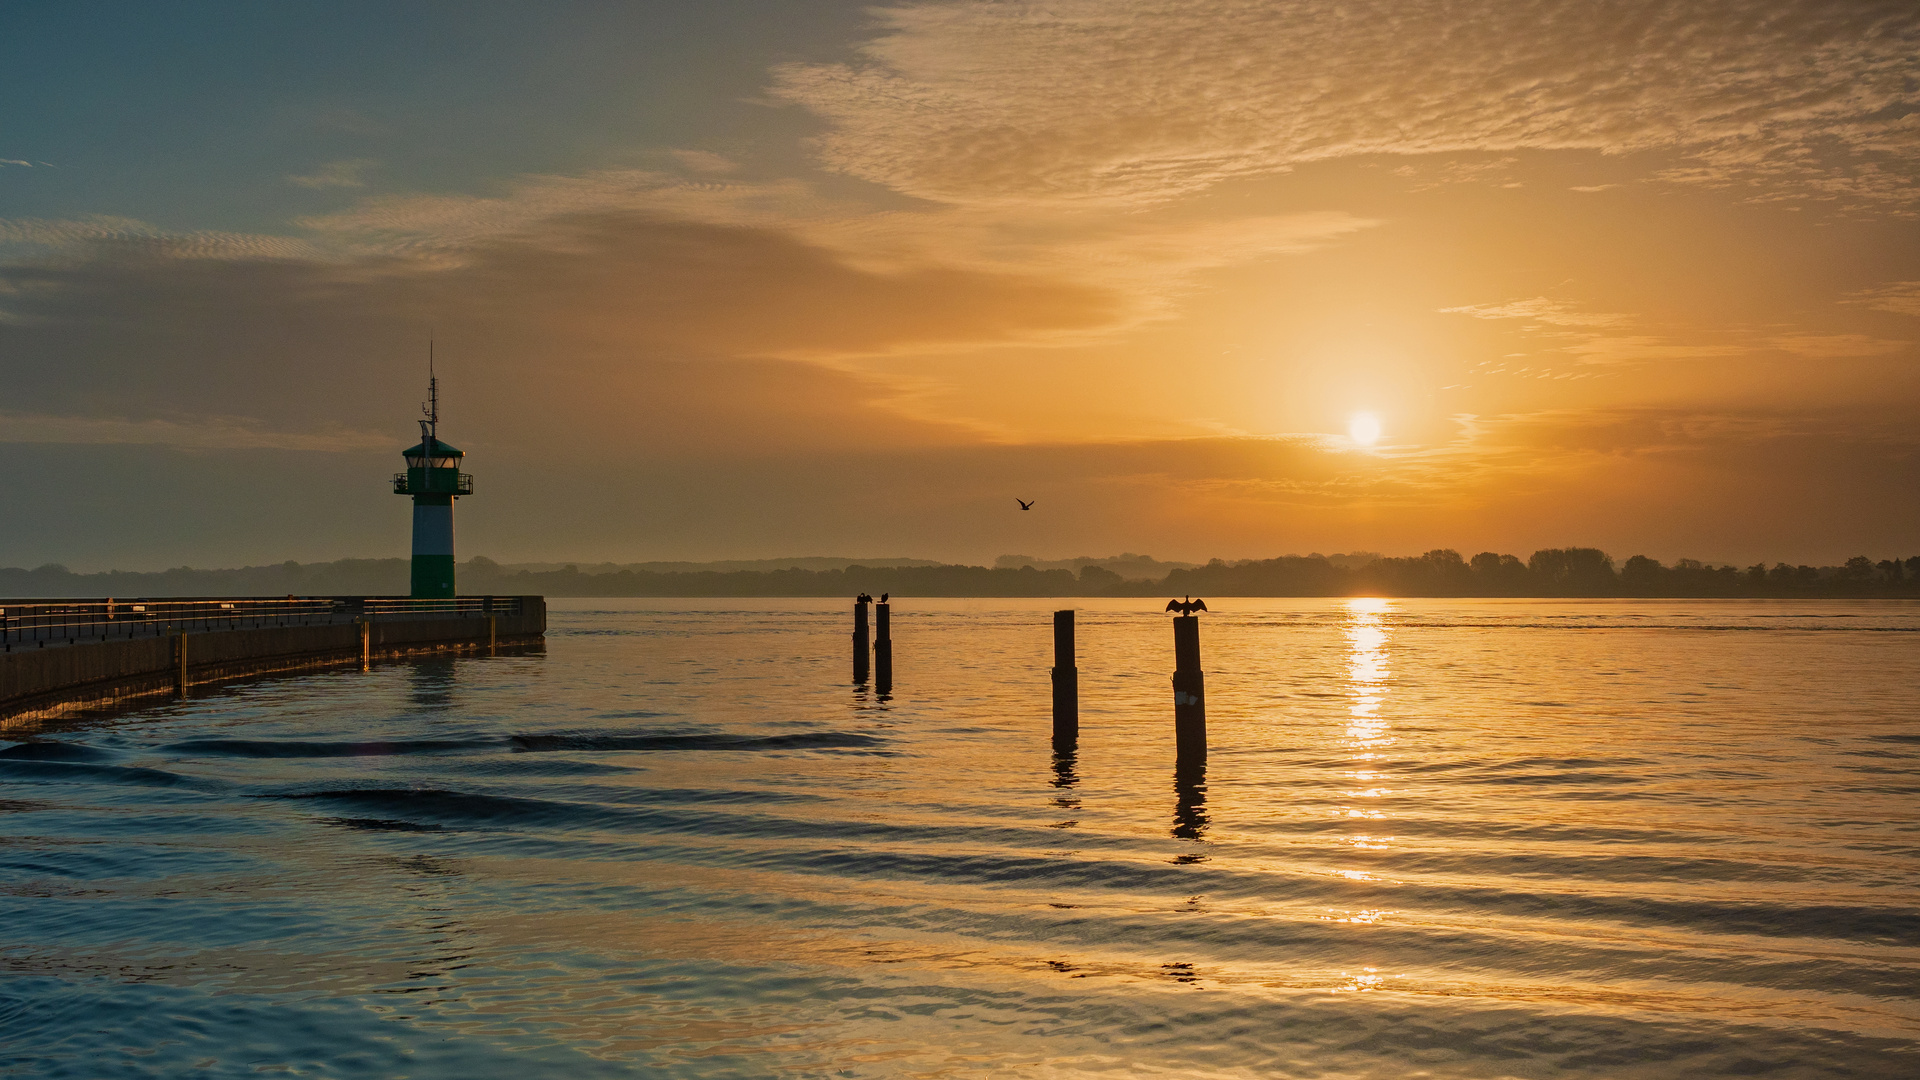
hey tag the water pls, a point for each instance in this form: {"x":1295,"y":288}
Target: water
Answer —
{"x":1434,"y":839}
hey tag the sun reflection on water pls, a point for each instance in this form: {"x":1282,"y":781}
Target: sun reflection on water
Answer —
{"x":1367,"y":671}
{"x":1369,"y":674}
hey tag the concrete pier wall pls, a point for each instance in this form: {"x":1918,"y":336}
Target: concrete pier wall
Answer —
{"x":41,"y":682}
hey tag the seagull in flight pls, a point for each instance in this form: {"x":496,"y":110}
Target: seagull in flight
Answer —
{"x":1025,"y":504}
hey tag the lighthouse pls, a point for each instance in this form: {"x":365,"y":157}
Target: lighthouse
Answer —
{"x":434,"y":479}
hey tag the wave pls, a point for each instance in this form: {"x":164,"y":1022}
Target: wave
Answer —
{"x":804,"y":740}
{"x":271,"y":748}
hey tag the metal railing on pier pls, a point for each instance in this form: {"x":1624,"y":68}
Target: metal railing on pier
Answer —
{"x":40,"y":623}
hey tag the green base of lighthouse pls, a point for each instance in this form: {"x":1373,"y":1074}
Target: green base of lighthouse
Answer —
{"x":433,"y":577}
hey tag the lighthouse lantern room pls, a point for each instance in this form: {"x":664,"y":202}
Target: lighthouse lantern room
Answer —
{"x":434,"y":479}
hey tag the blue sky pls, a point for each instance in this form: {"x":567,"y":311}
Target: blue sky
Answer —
{"x":193,"y":115}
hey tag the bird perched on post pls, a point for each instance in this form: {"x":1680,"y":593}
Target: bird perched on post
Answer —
{"x":863,"y":598}
{"x":1025,"y":504}
{"x":1187,"y":606}
{"x":883,"y":597}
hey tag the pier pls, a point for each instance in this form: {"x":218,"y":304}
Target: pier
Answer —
{"x":57,"y":656}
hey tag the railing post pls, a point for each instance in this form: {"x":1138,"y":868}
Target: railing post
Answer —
{"x":180,"y":664}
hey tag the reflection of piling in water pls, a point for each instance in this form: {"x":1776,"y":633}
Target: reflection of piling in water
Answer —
{"x":860,"y":644}
{"x":882,"y":649}
{"x":1190,"y":799}
{"x":1189,"y":692}
{"x":1064,"y":760}
{"x":1066,"y":684}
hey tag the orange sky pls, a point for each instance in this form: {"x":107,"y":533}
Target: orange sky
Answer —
{"x":1638,"y":275}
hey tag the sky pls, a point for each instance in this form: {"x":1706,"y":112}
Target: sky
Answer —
{"x":750,"y":280}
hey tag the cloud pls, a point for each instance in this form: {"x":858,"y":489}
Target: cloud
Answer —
{"x":1645,"y":349}
{"x":4,"y":162}
{"x":1899,"y":297}
{"x":347,"y":174}
{"x":679,"y":334}
{"x":971,"y":101}
{"x":1580,"y":333}
{"x":703,"y":161}
{"x":1540,"y":309}
{"x":96,"y":235}
{"x":204,"y":433}
{"x":1837,"y":346}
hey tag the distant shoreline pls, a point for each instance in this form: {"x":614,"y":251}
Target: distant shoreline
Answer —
{"x":1550,"y":573}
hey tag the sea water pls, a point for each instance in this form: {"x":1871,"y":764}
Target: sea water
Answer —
{"x":1433,"y":838}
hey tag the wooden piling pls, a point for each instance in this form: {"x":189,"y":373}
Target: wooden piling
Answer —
{"x":1189,"y":691}
{"x":1066,"y":684}
{"x":861,"y":646}
{"x":180,"y":664}
{"x":882,"y":649}
{"x":366,"y":645}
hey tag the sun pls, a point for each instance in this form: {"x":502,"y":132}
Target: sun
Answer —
{"x":1364,"y":428}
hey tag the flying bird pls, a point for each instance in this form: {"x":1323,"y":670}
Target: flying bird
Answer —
{"x":1025,"y":504}
{"x":1187,"y":606}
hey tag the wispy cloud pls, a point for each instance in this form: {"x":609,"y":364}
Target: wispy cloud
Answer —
{"x":1540,"y":309}
{"x":83,"y":237}
{"x":1899,"y":297}
{"x":1837,"y":346}
{"x":704,"y":161}
{"x":204,"y":433}
{"x":973,"y":100}
{"x":343,"y":174}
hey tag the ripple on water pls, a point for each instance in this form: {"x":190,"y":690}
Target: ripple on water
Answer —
{"x":1435,"y":838}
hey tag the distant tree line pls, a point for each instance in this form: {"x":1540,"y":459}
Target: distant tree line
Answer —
{"x":1443,"y":572}
{"x":1548,"y":572}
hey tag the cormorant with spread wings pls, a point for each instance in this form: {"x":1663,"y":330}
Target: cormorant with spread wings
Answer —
{"x":1187,"y":606}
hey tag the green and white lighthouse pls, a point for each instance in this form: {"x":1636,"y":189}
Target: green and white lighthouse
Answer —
{"x":434,"y":479}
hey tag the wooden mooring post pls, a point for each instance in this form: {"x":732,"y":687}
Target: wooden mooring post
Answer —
{"x":1189,"y":685}
{"x":882,"y":648}
{"x":1066,"y":684}
{"x":861,"y":646}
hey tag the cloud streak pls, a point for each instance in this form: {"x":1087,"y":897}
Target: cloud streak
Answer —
{"x":1088,"y":100}
{"x":341,"y":174}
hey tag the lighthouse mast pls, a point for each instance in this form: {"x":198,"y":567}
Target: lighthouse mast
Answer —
{"x":434,"y":479}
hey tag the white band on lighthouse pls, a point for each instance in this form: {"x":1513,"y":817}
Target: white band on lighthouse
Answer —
{"x":433,"y":529}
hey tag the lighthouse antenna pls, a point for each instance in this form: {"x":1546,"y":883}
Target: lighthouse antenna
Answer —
{"x":430,"y":427}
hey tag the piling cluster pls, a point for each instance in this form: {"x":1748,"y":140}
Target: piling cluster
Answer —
{"x":879,"y":647}
{"x":1189,"y":680}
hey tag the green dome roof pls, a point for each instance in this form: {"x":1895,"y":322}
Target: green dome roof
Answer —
{"x":442,"y":448}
